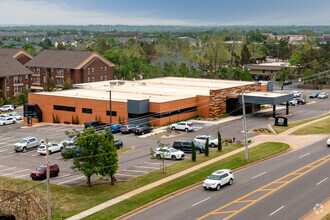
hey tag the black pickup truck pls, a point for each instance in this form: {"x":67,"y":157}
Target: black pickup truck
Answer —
{"x":97,"y":125}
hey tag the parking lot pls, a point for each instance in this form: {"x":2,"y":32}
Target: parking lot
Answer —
{"x":133,"y":163}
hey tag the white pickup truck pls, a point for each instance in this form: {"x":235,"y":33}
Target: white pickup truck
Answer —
{"x":28,"y":143}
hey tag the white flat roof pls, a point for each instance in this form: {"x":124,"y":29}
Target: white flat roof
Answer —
{"x":157,"y":90}
{"x":265,"y":94}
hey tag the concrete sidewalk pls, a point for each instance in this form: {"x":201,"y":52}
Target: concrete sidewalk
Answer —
{"x":295,"y":141}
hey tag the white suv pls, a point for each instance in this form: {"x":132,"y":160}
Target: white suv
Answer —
{"x":296,"y":94}
{"x":219,"y":178}
{"x":213,"y":142}
{"x":169,"y":153}
{"x":184,"y":126}
{"x":6,"y":108}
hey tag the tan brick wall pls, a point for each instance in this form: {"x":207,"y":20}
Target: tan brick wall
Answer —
{"x":218,"y":98}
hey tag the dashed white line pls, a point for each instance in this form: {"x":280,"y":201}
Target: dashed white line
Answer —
{"x":276,"y":211}
{"x":155,"y":168}
{"x":8,"y":169}
{"x":304,"y":155}
{"x":70,"y":180}
{"x":138,"y":171}
{"x":8,"y":174}
{"x":321,"y":181}
{"x":259,"y":175}
{"x":201,"y":201}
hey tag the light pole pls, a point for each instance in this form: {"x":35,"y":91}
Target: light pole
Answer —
{"x":244,"y":128}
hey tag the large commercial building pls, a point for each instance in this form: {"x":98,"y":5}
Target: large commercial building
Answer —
{"x":155,"y":101}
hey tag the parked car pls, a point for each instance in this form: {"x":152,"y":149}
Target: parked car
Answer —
{"x":114,"y":128}
{"x":127,"y":129}
{"x":218,"y":179}
{"x":28,"y":143}
{"x":52,"y":147}
{"x":7,"y":108}
{"x":96,"y":124}
{"x":313,"y":95}
{"x":328,"y":142}
{"x":7,"y":120}
{"x":184,"y":126}
{"x":300,"y":101}
{"x":296,"y":94}
{"x":118,"y":143}
{"x":291,"y":102}
{"x":185,"y":146}
{"x":169,"y":153}
{"x":41,"y":172}
{"x":142,"y":130}
{"x":213,"y":142}
{"x":70,"y":151}
{"x":323,"y":95}
{"x":16,"y":116}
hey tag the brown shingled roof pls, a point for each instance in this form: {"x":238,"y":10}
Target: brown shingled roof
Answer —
{"x":11,"y":67}
{"x":66,"y":59}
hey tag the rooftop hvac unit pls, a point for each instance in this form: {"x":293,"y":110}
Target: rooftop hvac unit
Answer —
{"x":121,"y":82}
{"x":143,"y":84}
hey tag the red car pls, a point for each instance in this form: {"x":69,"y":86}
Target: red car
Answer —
{"x":41,"y":172}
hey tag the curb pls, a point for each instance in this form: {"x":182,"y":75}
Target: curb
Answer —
{"x":191,"y":187}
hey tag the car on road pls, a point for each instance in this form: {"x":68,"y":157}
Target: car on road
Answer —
{"x":323,"y":95}
{"x":7,"y":108}
{"x":28,"y":143}
{"x":169,"y":153}
{"x":218,"y":179}
{"x":127,"y":129}
{"x":213,"y":142}
{"x":184,"y":126}
{"x":118,"y":143}
{"x":7,"y":120}
{"x":97,"y":125}
{"x":16,"y":116}
{"x":296,"y":94}
{"x":142,"y":130}
{"x":328,"y":142}
{"x":186,"y":146}
{"x":52,"y":147}
{"x":300,"y":101}
{"x":114,"y":128}
{"x":41,"y":172}
{"x":313,"y":95}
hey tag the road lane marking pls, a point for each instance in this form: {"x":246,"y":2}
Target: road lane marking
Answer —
{"x":201,"y":201}
{"x":155,"y":168}
{"x":138,"y":171}
{"x":321,"y":181}
{"x":259,"y":175}
{"x":8,"y":174}
{"x":264,"y":191}
{"x":276,"y":211}
{"x":70,"y":180}
{"x":304,"y":155}
{"x":8,"y":169}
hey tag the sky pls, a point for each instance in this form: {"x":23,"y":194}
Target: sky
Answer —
{"x":165,"y":12}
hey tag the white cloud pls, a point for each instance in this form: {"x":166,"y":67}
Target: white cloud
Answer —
{"x":46,"y":13}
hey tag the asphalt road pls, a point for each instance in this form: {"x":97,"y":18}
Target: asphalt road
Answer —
{"x":289,"y":202}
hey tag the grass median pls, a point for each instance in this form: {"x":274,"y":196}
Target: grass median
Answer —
{"x":124,"y":149}
{"x":320,"y":127}
{"x":232,"y":162}
{"x":280,"y":129}
{"x":68,"y":201}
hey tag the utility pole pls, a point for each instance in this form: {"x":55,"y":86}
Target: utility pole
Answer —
{"x":49,"y":211}
{"x":244,"y":128}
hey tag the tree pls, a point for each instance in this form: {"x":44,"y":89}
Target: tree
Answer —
{"x":108,"y":158}
{"x":245,"y":55}
{"x":219,"y":142}
{"x":49,"y":85}
{"x":283,"y":76}
{"x":68,"y":83}
{"x":162,"y":156}
{"x":206,"y":149}
{"x":193,"y":151}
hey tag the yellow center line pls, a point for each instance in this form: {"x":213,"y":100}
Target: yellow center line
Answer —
{"x":295,"y":174}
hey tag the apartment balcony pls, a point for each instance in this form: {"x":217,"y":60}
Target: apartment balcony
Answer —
{"x":18,"y":84}
{"x":35,"y":74}
{"x":36,"y":84}
{"x":59,"y":76}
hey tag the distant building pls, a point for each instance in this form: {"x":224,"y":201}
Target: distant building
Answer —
{"x":192,"y":41}
{"x":267,"y":69}
{"x":80,"y":66}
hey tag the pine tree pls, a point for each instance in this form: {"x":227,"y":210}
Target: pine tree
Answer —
{"x":219,"y":142}
{"x":193,"y":151}
{"x":206,"y":150}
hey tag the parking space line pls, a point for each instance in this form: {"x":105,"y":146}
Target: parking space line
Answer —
{"x":5,"y":150}
{"x":64,"y":175}
{"x":70,"y":180}
{"x":153,"y":163}
{"x":137,"y":171}
{"x":8,"y":169}
{"x":8,"y":174}
{"x":155,"y":168}
{"x":7,"y":156}
{"x":22,"y":176}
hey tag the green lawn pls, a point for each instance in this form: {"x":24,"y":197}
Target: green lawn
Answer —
{"x":124,"y":149}
{"x":68,"y":201}
{"x":256,"y":153}
{"x":327,"y":217}
{"x":320,"y":127}
{"x":280,"y":129}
